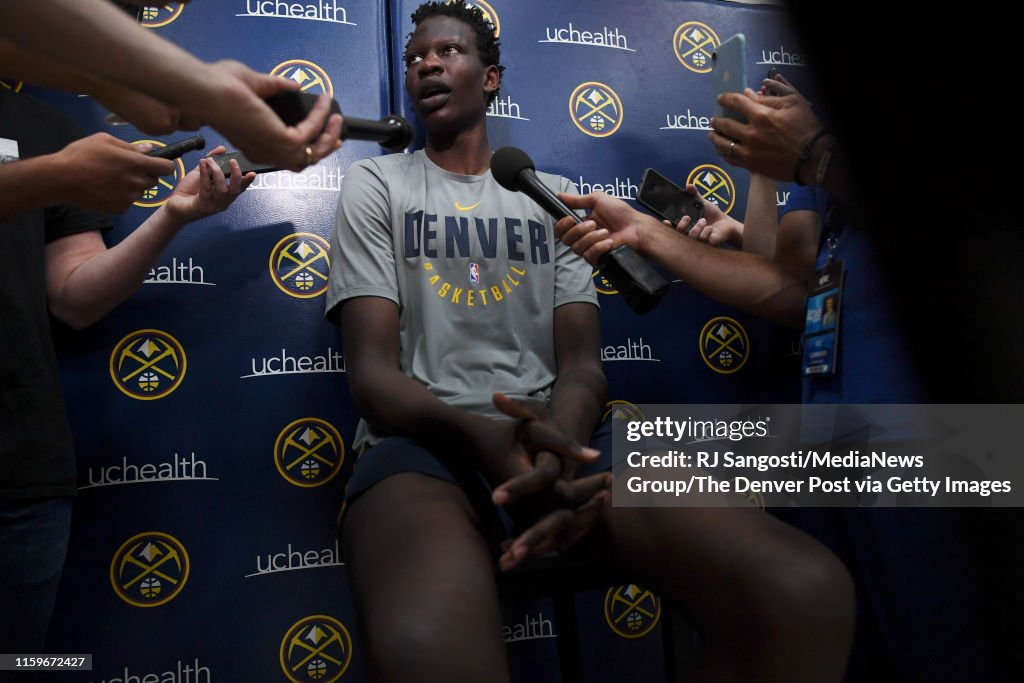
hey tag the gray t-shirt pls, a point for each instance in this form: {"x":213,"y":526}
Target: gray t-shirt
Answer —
{"x":476,"y":271}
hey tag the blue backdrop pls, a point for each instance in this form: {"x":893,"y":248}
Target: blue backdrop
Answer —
{"x":211,"y":413}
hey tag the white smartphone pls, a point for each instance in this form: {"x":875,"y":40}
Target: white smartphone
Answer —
{"x":729,"y":72}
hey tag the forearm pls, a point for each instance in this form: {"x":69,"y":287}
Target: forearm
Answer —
{"x":104,"y":279}
{"x":389,"y":400}
{"x":30,"y":185}
{"x":394,"y":403}
{"x":577,"y":400}
{"x":33,"y":67}
{"x":761,"y":222}
{"x":95,"y":36}
{"x":749,"y":282}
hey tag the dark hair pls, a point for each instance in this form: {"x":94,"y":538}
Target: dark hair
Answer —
{"x":487,"y":45}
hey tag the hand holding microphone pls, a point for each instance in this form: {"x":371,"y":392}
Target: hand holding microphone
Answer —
{"x":639,"y":283}
{"x":392,"y":132}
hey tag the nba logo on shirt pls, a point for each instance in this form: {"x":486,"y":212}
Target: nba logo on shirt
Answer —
{"x":474,"y":273}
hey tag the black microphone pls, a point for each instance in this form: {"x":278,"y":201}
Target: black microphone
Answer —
{"x":639,"y":283}
{"x":392,"y":132}
{"x":176,"y":149}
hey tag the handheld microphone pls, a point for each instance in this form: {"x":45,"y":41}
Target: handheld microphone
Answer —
{"x":639,"y":283}
{"x":392,"y":132}
{"x":176,"y":149}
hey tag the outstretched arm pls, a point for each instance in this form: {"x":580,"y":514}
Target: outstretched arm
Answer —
{"x":749,"y":282}
{"x":96,"y":36}
{"x":98,"y":173}
{"x":761,"y":222}
{"x":85,"y":279}
{"x":146,"y":113}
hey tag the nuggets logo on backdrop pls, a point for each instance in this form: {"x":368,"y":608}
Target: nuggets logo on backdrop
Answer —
{"x":299,"y":265}
{"x":595,"y":109}
{"x":603,"y":284}
{"x":694,"y":44}
{"x":164,"y":188}
{"x":11,"y":85}
{"x":317,"y":648}
{"x":149,"y":569}
{"x":714,"y":185}
{"x":309,"y":452}
{"x":488,"y":12}
{"x":157,"y":15}
{"x":148,"y":364}
{"x":310,"y":76}
{"x":623,"y":410}
{"x":631,"y":611}
{"x":724,"y":345}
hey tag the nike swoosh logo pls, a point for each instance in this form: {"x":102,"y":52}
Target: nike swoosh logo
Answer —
{"x":460,"y":207}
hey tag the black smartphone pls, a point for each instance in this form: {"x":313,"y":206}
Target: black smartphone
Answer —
{"x":294,"y":105}
{"x":224,"y":161}
{"x":668,"y":200}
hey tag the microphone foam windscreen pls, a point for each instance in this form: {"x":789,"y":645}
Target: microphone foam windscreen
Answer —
{"x":506,"y":165}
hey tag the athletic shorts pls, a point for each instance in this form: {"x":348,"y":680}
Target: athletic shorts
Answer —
{"x":399,"y":454}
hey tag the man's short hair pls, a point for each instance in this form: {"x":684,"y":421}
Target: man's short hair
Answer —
{"x":487,"y":45}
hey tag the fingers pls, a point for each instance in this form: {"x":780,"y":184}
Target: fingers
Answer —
{"x":579,"y":491}
{"x":537,"y":539}
{"x":700,"y":231}
{"x":727,"y":128}
{"x":573,"y":232}
{"x":580,"y":201}
{"x":322,"y":129}
{"x":228,"y":188}
{"x":520,"y":410}
{"x":235,"y":184}
{"x":309,"y":128}
{"x":137,"y":161}
{"x":555,"y":531}
{"x":588,"y":241}
{"x":545,"y":436}
{"x":330,"y":139}
{"x":562,"y":226}
{"x":545,"y":472}
{"x":726,"y":147}
{"x":777,"y":87}
{"x":586,"y":517}
{"x":539,"y":432}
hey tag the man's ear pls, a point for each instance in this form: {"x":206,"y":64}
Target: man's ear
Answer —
{"x":492,"y":79}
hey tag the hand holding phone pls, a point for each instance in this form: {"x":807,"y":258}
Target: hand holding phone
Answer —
{"x":668,"y":200}
{"x":224,"y":162}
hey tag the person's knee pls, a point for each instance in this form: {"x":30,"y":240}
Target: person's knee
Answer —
{"x":808,"y":596}
{"x":424,"y":645}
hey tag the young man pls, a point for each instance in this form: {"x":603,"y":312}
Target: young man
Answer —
{"x":459,"y":309}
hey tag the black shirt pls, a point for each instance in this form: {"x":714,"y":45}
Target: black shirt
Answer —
{"x":36,"y":456}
